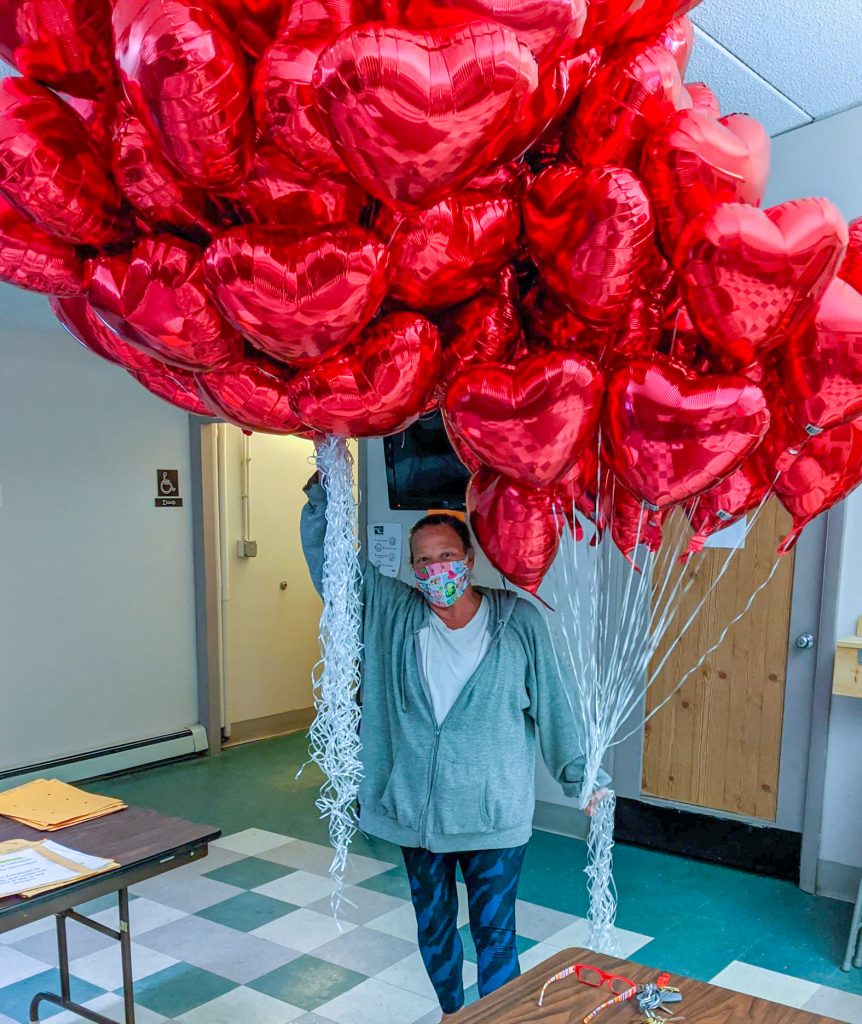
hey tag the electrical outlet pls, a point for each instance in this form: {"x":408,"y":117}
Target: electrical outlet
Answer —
{"x":246,"y":548}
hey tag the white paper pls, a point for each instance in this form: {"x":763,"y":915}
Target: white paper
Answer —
{"x":384,"y":547}
{"x":86,"y":860}
{"x":732,"y":536}
{"x":27,"y":869}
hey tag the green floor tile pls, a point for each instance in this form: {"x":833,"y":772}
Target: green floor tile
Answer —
{"x":15,"y":999}
{"x":247,"y":911}
{"x":249,"y":873}
{"x":393,"y":883}
{"x":307,"y":982}
{"x":180,"y":988}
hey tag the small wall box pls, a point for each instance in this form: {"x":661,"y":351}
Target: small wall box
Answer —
{"x":847,"y":673}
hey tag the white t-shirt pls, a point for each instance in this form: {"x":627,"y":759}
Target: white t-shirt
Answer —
{"x":451,"y":656}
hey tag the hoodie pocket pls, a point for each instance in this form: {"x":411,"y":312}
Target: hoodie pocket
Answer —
{"x":459,"y":800}
{"x":404,"y":794}
{"x":510,"y":796}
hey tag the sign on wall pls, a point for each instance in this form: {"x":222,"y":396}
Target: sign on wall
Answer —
{"x":168,"y":488}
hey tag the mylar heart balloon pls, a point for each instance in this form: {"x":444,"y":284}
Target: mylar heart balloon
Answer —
{"x":99,"y":114}
{"x":330,"y":16}
{"x":591,"y":235}
{"x":415,"y":115}
{"x":31,"y":258}
{"x":278,"y":193}
{"x":164,"y":200}
{"x":65,"y":44}
{"x":671,"y":435}
{"x":625,"y":100}
{"x":743,"y":491}
{"x":825,"y":472}
{"x":297,"y":300}
{"x":484,"y":329}
{"x":550,"y":325}
{"x":253,"y":393}
{"x":529,"y":421}
{"x":648,"y":17}
{"x":157,"y":290}
{"x":284,"y":101}
{"x":378,"y":386}
{"x":448,"y":252}
{"x":703,"y":98}
{"x":184,"y":76}
{"x":751,"y":276}
{"x":517,"y":527}
{"x":176,"y":387}
{"x":693,"y":162}
{"x":80,"y":320}
{"x":851,"y":266}
{"x":50,"y":169}
{"x":678,"y":40}
{"x":821,"y":367}
{"x":633,"y":524}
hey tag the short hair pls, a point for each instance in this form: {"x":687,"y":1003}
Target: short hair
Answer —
{"x":443,"y":519}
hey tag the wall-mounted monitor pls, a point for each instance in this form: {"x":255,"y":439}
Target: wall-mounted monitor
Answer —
{"x":422,"y":470}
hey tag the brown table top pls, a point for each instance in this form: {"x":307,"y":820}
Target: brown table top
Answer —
{"x":568,"y":1001}
{"x":135,"y":838}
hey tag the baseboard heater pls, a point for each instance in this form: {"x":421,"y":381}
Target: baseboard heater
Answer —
{"x":114,"y":760}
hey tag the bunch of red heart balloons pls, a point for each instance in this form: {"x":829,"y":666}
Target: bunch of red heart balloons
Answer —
{"x":333,"y":216}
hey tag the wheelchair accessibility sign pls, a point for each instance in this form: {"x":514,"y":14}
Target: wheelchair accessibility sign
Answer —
{"x":168,"y":488}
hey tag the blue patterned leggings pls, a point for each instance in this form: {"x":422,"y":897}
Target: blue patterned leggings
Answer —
{"x":491,"y":877}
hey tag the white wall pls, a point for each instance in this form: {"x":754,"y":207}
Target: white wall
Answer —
{"x":823,"y":159}
{"x":97,"y":628}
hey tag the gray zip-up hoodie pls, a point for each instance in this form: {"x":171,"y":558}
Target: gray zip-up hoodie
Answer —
{"x":468,"y":783}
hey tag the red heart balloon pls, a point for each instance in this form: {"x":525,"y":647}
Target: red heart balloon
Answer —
{"x":254,"y":393}
{"x":484,"y":329}
{"x":65,"y":44}
{"x":633,"y":524}
{"x":415,"y":115}
{"x":297,"y":300}
{"x":693,"y":162}
{"x":703,"y":98}
{"x":277,"y":193}
{"x":548,"y":27}
{"x":378,"y":386}
{"x":678,"y":40}
{"x":31,"y":258}
{"x":828,"y":469}
{"x":49,"y":168}
{"x":158,"y":193}
{"x":851,"y":266}
{"x":176,"y":387}
{"x":155,"y":296}
{"x":549,"y":325}
{"x":646,"y":18}
{"x":626,"y":99}
{"x":80,"y":320}
{"x":743,"y":491}
{"x":517,"y":527}
{"x":529,"y":421}
{"x":591,"y":235}
{"x":254,"y":22}
{"x":331,"y":16}
{"x":447,"y":253}
{"x":821,"y":367}
{"x":750,"y":277}
{"x":671,"y":435}
{"x":284,"y":101}
{"x":99,"y":114}
{"x":184,"y":76}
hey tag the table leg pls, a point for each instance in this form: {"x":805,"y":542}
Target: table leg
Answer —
{"x":63,"y":955}
{"x":126,"y":955}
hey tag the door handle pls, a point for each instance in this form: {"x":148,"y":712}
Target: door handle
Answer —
{"x":283,"y":585}
{"x":805,"y":641}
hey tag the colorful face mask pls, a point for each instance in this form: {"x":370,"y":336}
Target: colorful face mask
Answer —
{"x":442,"y":583}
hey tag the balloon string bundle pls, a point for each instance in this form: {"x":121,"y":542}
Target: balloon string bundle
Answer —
{"x":610,"y":620}
{"x":334,"y":735}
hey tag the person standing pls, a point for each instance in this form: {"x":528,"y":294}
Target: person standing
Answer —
{"x":456,"y":680}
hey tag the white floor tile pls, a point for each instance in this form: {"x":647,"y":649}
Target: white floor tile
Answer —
{"x":536,"y":922}
{"x":410,"y":974}
{"x":303,"y":930}
{"x":104,"y":968}
{"x":537,"y":954}
{"x":16,"y":966}
{"x":463,"y":911}
{"x":757,"y":981}
{"x":144,"y":915}
{"x":375,"y":1002}
{"x":576,"y":934}
{"x":833,"y":1002}
{"x":252,"y":841}
{"x":242,"y":1006}
{"x":400,"y":922}
{"x":110,"y":1005}
{"x":301,"y":888}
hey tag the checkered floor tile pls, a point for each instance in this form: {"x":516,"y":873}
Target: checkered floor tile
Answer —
{"x":249,"y":937}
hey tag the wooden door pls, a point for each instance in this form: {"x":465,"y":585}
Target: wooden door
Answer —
{"x":717,"y":741}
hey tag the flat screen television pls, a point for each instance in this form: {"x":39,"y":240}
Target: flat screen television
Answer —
{"x":422,"y":470}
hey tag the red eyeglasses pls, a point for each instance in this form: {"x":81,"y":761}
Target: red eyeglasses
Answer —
{"x":593,"y":976}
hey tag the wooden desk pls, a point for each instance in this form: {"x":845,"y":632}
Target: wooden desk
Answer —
{"x":144,"y":844}
{"x":568,"y":1001}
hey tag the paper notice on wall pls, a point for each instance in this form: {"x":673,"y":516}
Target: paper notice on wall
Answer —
{"x":384,"y":547}
{"x":732,"y":536}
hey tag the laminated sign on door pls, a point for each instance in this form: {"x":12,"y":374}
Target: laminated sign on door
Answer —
{"x":384,"y":547}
